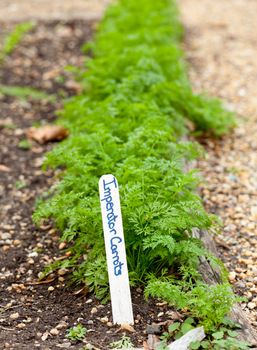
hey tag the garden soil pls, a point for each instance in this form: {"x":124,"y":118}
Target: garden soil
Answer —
{"x":221,"y":48}
{"x":35,"y":314}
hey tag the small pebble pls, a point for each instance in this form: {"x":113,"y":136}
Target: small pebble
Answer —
{"x":104,"y":319}
{"x":62,"y":245}
{"x":62,"y":325}
{"x":94,"y":310}
{"x":14,"y":316}
{"x":54,"y":331}
{"x":64,"y":345}
{"x":251,"y":305}
{"x":21,"y":325}
{"x":232,"y":276}
{"x":44,"y":336}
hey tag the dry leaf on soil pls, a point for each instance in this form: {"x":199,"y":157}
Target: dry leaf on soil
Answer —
{"x":4,"y":168}
{"x":126,"y":327}
{"x":82,"y":291}
{"x":47,"y":133}
{"x":35,"y":283}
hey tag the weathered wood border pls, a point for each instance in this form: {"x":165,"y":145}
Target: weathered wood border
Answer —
{"x":212,"y":275}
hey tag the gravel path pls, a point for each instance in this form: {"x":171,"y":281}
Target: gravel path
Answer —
{"x":20,"y":10}
{"x":221,"y":46}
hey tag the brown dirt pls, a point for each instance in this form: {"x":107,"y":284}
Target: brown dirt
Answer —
{"x":221,"y":47}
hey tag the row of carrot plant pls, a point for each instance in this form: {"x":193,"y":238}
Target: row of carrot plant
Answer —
{"x":131,"y":120}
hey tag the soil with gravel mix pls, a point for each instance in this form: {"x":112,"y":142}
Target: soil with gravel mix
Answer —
{"x":221,"y":47}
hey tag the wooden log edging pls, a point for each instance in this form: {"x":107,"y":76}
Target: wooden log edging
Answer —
{"x":211,"y":276}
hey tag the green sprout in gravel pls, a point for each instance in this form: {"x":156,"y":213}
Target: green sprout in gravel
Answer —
{"x":131,"y":121}
{"x":77,"y":332}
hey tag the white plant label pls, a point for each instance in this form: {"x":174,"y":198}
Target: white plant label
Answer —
{"x":115,"y":250}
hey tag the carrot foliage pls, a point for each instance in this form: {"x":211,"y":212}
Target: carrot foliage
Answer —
{"x":130,"y":121}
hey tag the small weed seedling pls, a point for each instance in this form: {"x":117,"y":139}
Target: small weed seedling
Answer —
{"x":24,"y":93}
{"x":9,"y":126}
{"x":123,"y":343}
{"x":223,"y":337}
{"x":14,"y":38}
{"x":175,"y":331}
{"x":77,"y":332}
{"x":20,"y":184}
{"x":24,"y":144}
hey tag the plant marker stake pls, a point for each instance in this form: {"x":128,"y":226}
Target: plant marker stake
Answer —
{"x":115,"y":251}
